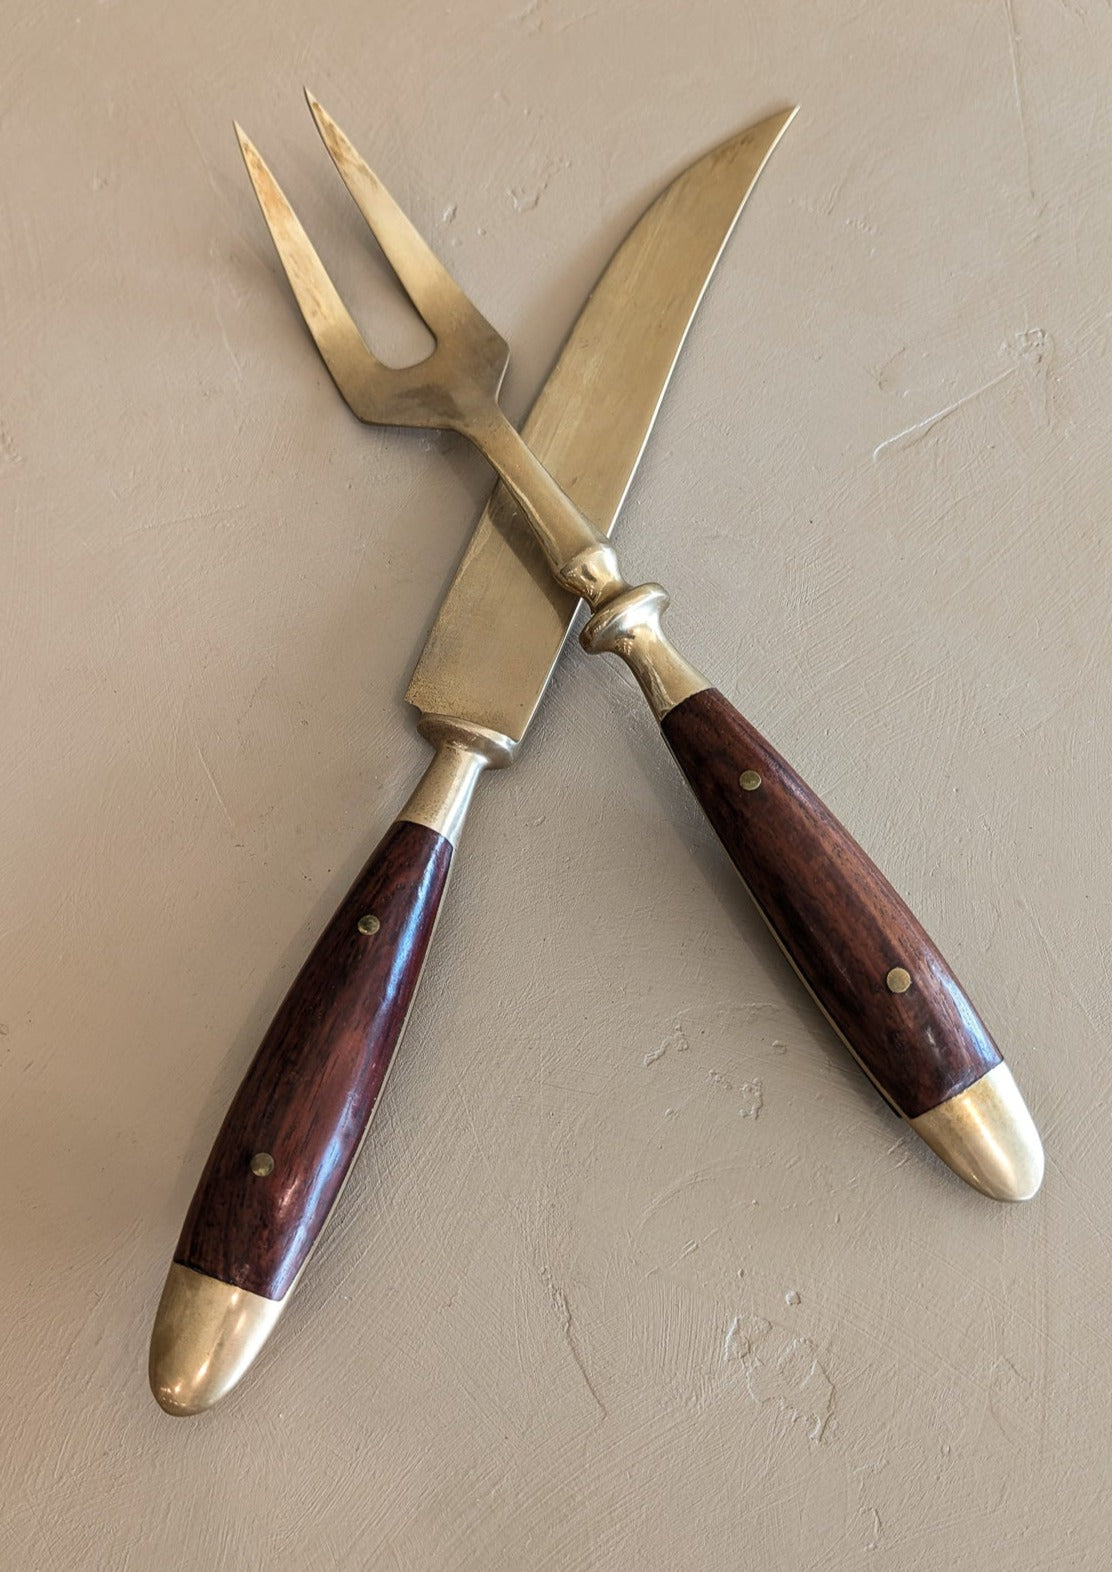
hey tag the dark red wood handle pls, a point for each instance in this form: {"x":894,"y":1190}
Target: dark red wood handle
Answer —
{"x":306,"y":1100}
{"x":848,"y":933}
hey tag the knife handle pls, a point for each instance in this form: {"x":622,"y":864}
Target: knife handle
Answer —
{"x":301,"y":1113}
{"x":868,"y":962}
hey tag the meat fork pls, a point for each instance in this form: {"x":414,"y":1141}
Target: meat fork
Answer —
{"x":873,"y":970}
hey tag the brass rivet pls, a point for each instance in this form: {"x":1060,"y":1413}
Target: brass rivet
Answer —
{"x":749,"y":780}
{"x":898,"y":980}
{"x":262,"y":1165}
{"x":369,"y":923}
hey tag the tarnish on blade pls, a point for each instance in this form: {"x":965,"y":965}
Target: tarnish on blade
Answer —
{"x":503,"y":621}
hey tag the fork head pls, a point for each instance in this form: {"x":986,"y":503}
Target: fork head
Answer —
{"x":458,"y":382}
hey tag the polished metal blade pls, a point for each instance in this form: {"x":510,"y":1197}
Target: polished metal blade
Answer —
{"x":503,"y":621}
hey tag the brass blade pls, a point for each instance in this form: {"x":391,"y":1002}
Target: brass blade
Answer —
{"x":503,"y":621}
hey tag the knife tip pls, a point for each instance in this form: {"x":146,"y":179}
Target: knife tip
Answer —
{"x":246,"y":146}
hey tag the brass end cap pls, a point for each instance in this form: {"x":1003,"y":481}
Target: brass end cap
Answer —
{"x":206,"y":1336}
{"x":987,"y":1136}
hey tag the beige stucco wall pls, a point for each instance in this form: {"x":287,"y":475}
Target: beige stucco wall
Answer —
{"x":636,"y":1270}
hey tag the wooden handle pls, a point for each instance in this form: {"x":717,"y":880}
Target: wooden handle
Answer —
{"x":297,"y":1122}
{"x":866,"y":959}
{"x":300,"y":1114}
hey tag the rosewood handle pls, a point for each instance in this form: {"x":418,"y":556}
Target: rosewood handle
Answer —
{"x":296,"y":1123}
{"x":866,"y":959}
{"x":299,"y":1117}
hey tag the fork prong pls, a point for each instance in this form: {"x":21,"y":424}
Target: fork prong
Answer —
{"x":432,"y":289}
{"x":340,"y":342}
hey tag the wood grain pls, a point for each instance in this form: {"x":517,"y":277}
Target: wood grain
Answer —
{"x":312,"y":1087}
{"x":840,"y":921}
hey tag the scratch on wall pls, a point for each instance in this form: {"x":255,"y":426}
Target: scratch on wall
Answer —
{"x":1029,"y":351}
{"x":563,"y":1309}
{"x":912,"y":434}
{"x":1017,"y":87}
{"x":219,"y":795}
{"x":1009,"y":1401}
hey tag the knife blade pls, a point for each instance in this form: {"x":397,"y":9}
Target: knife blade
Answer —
{"x":295,"y":1126}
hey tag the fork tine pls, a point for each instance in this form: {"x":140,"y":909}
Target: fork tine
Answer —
{"x":339,"y":340}
{"x":434,"y":292}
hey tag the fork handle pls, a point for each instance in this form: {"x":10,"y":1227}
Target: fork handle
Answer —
{"x":868,"y":962}
{"x":295,"y":1126}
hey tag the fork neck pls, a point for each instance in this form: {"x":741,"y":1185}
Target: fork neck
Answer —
{"x":581,"y":558}
{"x":626,"y":620}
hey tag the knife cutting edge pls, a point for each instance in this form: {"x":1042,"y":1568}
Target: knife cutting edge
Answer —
{"x":298,"y":1119}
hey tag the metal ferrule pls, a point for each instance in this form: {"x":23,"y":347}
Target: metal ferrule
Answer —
{"x":987,"y":1135}
{"x":206,"y":1336}
{"x":629,"y":626}
{"x":443,"y":795}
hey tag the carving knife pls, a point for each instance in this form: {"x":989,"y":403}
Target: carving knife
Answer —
{"x":296,"y":1124}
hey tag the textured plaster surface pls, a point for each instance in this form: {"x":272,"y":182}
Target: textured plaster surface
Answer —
{"x":636,"y":1270}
